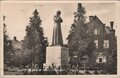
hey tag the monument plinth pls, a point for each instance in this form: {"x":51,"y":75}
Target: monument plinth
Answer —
{"x":56,"y":54}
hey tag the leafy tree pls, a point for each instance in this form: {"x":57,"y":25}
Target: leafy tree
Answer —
{"x":80,"y":38}
{"x":7,"y":45}
{"x":35,"y":41}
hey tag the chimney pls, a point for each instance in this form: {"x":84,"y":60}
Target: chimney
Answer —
{"x":111,"y":24}
{"x":15,"y":38}
{"x":91,"y":18}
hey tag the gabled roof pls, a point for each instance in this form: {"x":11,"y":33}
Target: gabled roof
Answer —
{"x":107,"y":29}
{"x":95,"y":18}
{"x":98,"y":19}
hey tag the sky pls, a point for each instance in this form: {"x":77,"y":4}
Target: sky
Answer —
{"x":18,"y":13}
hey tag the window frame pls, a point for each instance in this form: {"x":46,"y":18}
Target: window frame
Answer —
{"x":96,"y":43}
{"x":96,"y":31}
{"x":106,"y":44}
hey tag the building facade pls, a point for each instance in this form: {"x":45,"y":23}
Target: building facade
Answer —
{"x":105,"y":43}
{"x":104,"y":39}
{"x":18,"y":53}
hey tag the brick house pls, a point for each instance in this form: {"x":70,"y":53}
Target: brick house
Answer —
{"x":104,"y":39}
{"x":105,"y":43}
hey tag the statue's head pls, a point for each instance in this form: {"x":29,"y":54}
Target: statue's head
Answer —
{"x":58,"y":12}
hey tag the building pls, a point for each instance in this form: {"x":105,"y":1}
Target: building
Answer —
{"x":17,"y":57}
{"x":105,"y":42}
{"x":17,"y":46}
{"x":104,"y":39}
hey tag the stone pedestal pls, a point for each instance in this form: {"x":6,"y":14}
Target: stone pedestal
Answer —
{"x":58,"y":56}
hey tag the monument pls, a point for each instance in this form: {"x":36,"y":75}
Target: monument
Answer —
{"x":57,"y":34}
{"x":57,"y":55}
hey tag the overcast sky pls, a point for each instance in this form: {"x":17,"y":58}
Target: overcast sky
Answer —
{"x":17,"y":16}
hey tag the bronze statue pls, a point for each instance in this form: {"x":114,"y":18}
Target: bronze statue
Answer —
{"x":57,"y":34}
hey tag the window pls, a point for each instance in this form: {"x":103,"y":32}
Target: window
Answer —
{"x":96,"y":43}
{"x":96,"y":32}
{"x":100,"y":60}
{"x":106,"y":44}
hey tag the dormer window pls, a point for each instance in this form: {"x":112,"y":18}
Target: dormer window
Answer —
{"x":96,"y":32}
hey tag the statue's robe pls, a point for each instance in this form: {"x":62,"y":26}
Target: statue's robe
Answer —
{"x":57,"y":34}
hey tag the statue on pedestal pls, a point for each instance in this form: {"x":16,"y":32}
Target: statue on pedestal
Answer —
{"x":57,"y":34}
{"x":57,"y":55}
